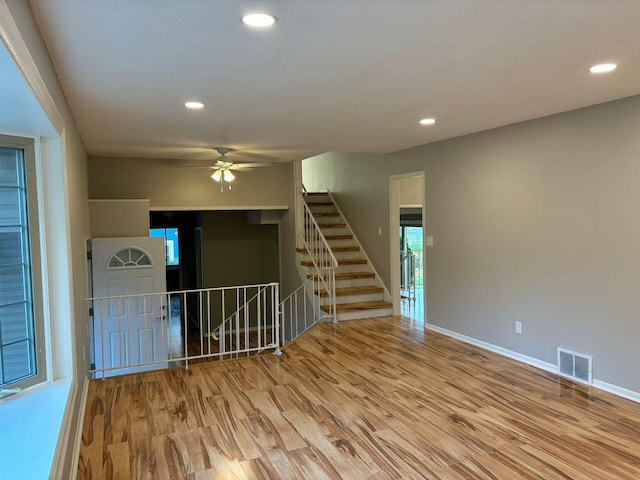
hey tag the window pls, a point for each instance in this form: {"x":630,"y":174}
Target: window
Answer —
{"x":170,"y":243}
{"x":21,"y":324}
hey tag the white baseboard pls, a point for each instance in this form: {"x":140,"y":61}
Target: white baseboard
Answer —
{"x":616,"y":390}
{"x":534,"y":362}
{"x":62,"y":445}
{"x":78,"y":439}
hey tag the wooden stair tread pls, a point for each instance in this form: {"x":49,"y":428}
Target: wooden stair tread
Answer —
{"x":353,"y":248}
{"x":352,"y":261}
{"x":350,"y":275}
{"x":343,"y":261}
{"x":315,"y":194}
{"x":358,"y":306}
{"x":344,"y":291}
{"x":346,"y":236}
{"x":327,"y":214}
{"x":332,"y":225}
{"x":319,"y":204}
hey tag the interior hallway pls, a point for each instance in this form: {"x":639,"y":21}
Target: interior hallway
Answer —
{"x":413,"y":309}
{"x":372,"y":398}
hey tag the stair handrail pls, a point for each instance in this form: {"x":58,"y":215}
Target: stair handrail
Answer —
{"x":362,"y":250}
{"x":325,"y":244}
{"x":321,"y":254}
{"x":261,"y":289}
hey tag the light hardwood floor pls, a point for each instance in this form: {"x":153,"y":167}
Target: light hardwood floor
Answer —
{"x":376,"y":398}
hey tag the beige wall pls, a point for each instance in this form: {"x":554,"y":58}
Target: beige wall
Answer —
{"x":236,"y":252}
{"x":119,"y":218}
{"x":170,"y":187}
{"x":535,"y":222}
{"x":65,"y":181}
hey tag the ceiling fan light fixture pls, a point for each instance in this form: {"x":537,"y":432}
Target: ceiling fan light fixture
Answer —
{"x":216,"y":175}
{"x":228,"y":176}
{"x":603,"y":68}
{"x":259,"y":20}
{"x":194,"y":105}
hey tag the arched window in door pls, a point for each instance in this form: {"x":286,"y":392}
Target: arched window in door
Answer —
{"x":130,"y":257}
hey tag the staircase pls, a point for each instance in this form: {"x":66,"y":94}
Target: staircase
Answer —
{"x":359,"y":291}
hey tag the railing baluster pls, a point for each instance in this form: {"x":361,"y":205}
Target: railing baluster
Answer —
{"x":185,"y":331}
{"x":208,"y":322}
{"x":102,"y":337}
{"x":258,"y":310}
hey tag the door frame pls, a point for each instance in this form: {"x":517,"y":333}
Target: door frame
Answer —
{"x":394,"y":238}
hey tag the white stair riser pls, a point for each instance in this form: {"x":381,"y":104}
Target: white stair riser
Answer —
{"x":378,"y":312}
{"x":321,"y":209}
{"x":341,"y":243}
{"x":365,"y":297}
{"x":355,"y":282}
{"x":351,"y":268}
{"x":334,"y":231}
{"x":339,"y":255}
{"x":331,"y":220}
{"x":342,"y":269}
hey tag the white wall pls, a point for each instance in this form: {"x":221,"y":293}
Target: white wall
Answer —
{"x":360,"y":185}
{"x":65,"y":186}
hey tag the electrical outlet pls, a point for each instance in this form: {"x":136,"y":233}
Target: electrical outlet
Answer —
{"x":518,"y":327}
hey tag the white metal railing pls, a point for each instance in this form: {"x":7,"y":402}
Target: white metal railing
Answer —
{"x":134,"y":333}
{"x":408,"y":274}
{"x":322,"y":258}
{"x":301,"y":310}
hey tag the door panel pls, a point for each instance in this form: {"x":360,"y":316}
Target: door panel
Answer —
{"x":129,"y":332}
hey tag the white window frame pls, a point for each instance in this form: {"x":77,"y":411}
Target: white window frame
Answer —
{"x":27,"y":145}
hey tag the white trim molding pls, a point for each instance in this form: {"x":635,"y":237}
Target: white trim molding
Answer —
{"x":534,"y":362}
{"x":216,"y":207}
{"x":78,"y":439}
{"x":62,"y":446}
{"x":616,"y":390}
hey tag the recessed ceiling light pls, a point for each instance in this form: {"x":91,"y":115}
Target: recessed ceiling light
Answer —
{"x":427,"y":121}
{"x":603,"y":68}
{"x":194,"y":105}
{"x":259,"y":20}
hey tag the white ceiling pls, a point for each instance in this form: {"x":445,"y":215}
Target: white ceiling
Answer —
{"x":333,"y":75}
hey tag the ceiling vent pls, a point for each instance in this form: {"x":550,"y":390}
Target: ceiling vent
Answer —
{"x":576,"y":366}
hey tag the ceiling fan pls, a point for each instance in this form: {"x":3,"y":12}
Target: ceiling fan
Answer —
{"x":222,"y":168}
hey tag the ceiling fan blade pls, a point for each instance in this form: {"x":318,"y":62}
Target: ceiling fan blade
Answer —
{"x":205,"y":169}
{"x":239,"y":166}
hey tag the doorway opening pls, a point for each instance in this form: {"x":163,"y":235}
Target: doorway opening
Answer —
{"x":209,"y":249}
{"x":407,"y":242}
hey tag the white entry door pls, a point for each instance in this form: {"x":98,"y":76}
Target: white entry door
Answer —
{"x":129,"y":333}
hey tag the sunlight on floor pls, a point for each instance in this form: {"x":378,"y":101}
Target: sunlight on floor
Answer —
{"x":413,"y":309}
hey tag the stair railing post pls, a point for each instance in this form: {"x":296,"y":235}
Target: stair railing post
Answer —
{"x":333,"y":295}
{"x":275,"y":292}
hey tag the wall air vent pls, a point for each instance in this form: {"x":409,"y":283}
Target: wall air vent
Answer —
{"x":576,"y":366}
